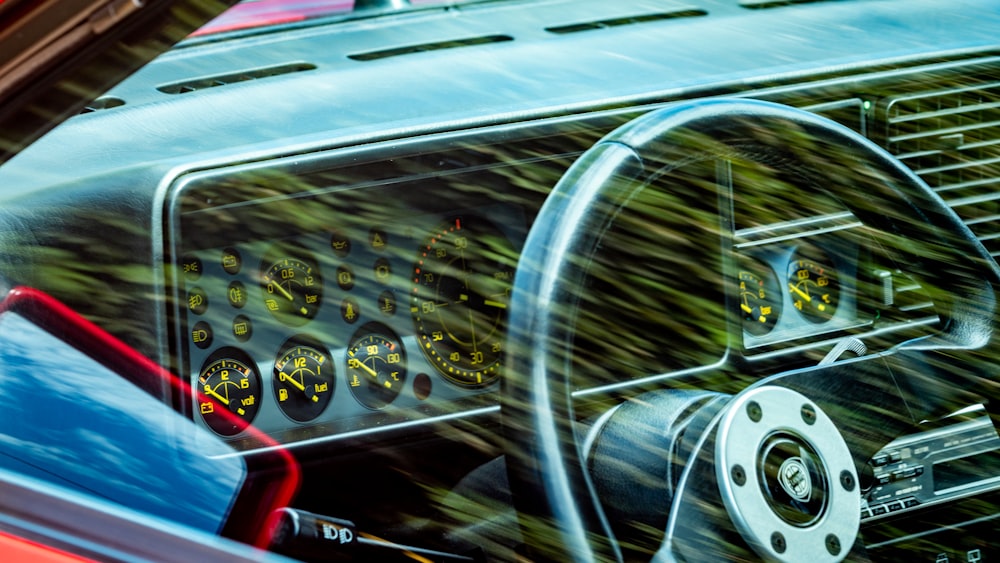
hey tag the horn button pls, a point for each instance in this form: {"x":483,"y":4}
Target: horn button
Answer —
{"x":786,"y":477}
{"x":792,"y":479}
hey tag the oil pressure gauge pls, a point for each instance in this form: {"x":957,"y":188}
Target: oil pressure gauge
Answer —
{"x":293,"y":288}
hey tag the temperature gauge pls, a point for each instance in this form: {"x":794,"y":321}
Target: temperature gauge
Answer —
{"x":376,"y":366}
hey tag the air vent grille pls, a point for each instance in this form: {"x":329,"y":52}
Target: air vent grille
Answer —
{"x":849,"y":112}
{"x":425,"y":47}
{"x":102,"y":103}
{"x":628,"y":20}
{"x":951,"y":139}
{"x":768,"y":4}
{"x":232,"y":78}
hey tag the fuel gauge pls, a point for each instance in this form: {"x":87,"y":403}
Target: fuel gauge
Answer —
{"x":303,"y":380}
{"x":760,"y":298}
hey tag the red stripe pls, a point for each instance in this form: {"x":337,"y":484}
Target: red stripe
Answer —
{"x":20,"y":550}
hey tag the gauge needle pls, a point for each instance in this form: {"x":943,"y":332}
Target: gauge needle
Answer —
{"x":293,"y":381}
{"x":800,"y":293}
{"x":746,"y":308}
{"x":211,"y":393}
{"x":370,"y":371}
{"x":284,"y":292}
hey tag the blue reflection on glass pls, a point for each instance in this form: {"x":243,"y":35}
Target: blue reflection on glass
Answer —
{"x":66,"y":419}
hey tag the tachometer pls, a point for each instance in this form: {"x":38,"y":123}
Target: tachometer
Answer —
{"x":303,"y":380}
{"x":814,"y":289}
{"x":229,"y":382}
{"x":461,"y":284}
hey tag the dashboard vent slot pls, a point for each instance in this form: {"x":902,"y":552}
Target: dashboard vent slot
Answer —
{"x":628,"y":20}
{"x":104,"y":102}
{"x":766,"y":4}
{"x":951,"y":139}
{"x":425,"y":47}
{"x":233,"y":78}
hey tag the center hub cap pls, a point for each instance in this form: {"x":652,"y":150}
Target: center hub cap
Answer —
{"x":792,"y":479}
{"x":786,"y":477}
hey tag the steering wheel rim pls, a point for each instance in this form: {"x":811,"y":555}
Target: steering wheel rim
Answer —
{"x":560,"y":515}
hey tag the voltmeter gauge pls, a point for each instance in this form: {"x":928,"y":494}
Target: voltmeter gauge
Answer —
{"x":230,"y":391}
{"x":303,"y":380}
{"x":760,"y":298}
{"x":376,"y":366}
{"x":814,"y":289}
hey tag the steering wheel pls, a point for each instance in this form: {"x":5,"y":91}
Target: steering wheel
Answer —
{"x":818,"y":425}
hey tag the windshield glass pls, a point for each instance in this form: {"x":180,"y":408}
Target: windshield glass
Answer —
{"x":502,"y":280}
{"x":250,"y":14}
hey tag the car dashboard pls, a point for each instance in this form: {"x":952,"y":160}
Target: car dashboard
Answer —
{"x":324,"y":241}
{"x":372,"y":296}
{"x":373,"y":300}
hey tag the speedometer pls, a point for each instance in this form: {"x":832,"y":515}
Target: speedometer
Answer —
{"x":461,"y":284}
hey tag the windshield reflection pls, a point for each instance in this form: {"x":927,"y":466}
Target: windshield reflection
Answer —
{"x":69,"y":420}
{"x":252,"y":14}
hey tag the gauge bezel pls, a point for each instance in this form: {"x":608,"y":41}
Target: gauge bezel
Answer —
{"x":293,"y":405}
{"x":373,"y":396}
{"x":228,"y":426}
{"x":293,"y":306}
{"x":768,"y":295}
{"x":456,"y":354}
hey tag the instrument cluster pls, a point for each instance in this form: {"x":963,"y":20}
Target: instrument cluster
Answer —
{"x":377,"y":317}
{"x":794,"y":290}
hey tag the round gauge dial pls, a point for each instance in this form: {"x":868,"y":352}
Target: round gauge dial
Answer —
{"x":230,"y":391}
{"x":293,"y":289}
{"x":462,"y":282}
{"x":303,"y":380}
{"x":376,"y":366}
{"x":760,"y":300}
{"x":814,"y":289}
